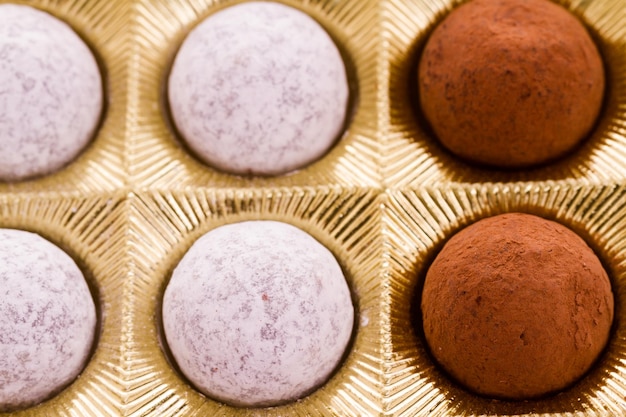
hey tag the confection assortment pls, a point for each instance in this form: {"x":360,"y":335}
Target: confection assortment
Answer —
{"x":264,"y":252}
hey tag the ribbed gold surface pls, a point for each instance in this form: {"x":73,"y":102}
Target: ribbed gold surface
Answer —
{"x":384,"y":200}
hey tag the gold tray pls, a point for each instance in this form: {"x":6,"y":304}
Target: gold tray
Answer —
{"x":384,"y":200}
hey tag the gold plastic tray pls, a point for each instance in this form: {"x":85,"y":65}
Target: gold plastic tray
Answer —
{"x":384,"y":200}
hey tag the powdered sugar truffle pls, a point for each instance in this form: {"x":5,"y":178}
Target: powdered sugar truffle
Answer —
{"x":257,"y":313}
{"x":47,"y":319}
{"x":259,"y":88}
{"x":50,"y":93}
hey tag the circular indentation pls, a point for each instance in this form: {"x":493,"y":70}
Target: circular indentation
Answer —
{"x":47,"y":319}
{"x":511,"y":83}
{"x":259,"y":88}
{"x":51,"y":95}
{"x":257,"y":313}
{"x":516,"y":307}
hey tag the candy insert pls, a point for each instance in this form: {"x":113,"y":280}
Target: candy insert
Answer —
{"x":343,"y":222}
{"x":97,"y":166}
{"x":382,"y":200}
{"x":159,"y":158}
{"x":85,"y":229}
{"x":427,"y":218}
{"x":416,"y":157}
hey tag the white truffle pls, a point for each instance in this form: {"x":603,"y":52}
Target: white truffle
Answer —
{"x":50,"y":93}
{"x":47,"y":319}
{"x":259,"y":88}
{"x":257,"y":313}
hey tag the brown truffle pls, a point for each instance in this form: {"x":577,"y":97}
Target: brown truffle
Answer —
{"x":516,"y":307}
{"x":511,"y":83}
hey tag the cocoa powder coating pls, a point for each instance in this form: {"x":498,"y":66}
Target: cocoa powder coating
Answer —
{"x":516,"y":307}
{"x":511,"y":83}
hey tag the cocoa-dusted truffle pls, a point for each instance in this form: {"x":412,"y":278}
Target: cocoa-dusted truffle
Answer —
{"x":511,"y":83}
{"x":47,"y":319}
{"x":258,"y":88}
{"x":516,"y":306}
{"x":257,"y":313}
{"x":50,"y":93}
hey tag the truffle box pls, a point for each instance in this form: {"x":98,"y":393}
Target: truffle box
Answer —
{"x":313,"y":208}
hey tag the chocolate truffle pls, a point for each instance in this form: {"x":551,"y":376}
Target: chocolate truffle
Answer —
{"x":47,"y":319}
{"x":516,"y":307}
{"x":257,"y":313}
{"x":258,"y":88}
{"x":50,"y":93}
{"x":510,"y":83}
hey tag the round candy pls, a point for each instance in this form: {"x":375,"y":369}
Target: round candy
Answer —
{"x":511,"y":83}
{"x":259,"y":88}
{"x":50,"y":93}
{"x":47,"y":319}
{"x":516,"y":306}
{"x":257,"y":313}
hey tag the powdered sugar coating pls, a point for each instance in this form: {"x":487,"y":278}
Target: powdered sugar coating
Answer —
{"x":50,"y":93}
{"x":259,"y":88}
{"x":47,"y":319}
{"x":257,"y":313}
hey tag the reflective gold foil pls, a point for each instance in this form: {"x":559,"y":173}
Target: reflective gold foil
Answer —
{"x":383,"y":200}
